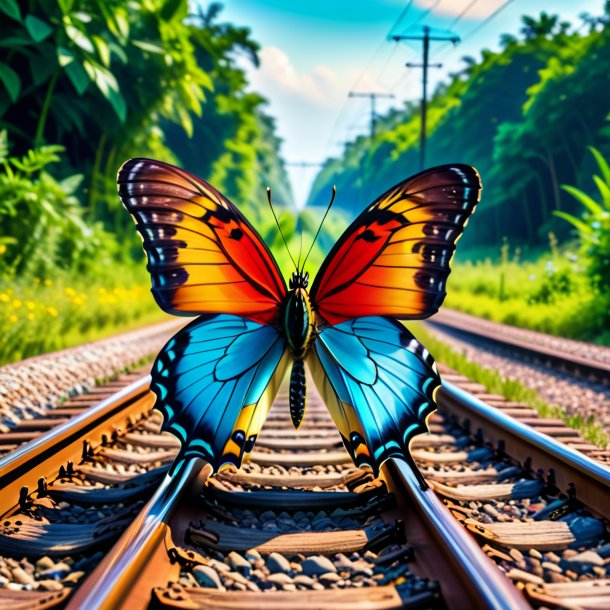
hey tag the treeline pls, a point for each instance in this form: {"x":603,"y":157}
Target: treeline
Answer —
{"x":84,"y":86}
{"x":524,"y":117}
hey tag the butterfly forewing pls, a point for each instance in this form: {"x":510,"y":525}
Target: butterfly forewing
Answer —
{"x":393,"y":260}
{"x":203,"y":255}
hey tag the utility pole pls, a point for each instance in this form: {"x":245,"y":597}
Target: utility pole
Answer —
{"x":425,"y":38}
{"x":372,"y":96}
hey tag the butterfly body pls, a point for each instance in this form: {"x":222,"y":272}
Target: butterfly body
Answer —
{"x":216,"y":379}
{"x":298,"y":325}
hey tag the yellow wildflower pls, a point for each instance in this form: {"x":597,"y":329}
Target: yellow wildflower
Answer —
{"x":31,"y":316}
{"x":48,"y":282}
{"x":30,"y":305}
{"x":2,"y":249}
{"x":13,"y":319}
{"x":70,"y":292}
{"x":52,"y":312}
{"x":16,"y":304}
{"x":79,"y":301}
{"x":4,"y":298}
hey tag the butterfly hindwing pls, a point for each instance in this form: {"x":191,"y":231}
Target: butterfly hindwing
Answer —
{"x":393,"y":260}
{"x":215,"y":381}
{"x":379,"y":384}
{"x":203,"y":255}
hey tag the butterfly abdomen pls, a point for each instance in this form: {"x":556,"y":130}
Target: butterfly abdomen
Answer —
{"x":297,"y":323}
{"x":297,"y":393}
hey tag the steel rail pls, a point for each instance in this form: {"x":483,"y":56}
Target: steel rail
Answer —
{"x":563,"y":466}
{"x":28,"y":464}
{"x":582,"y":366}
{"x":488,"y":587}
{"x":108,"y":586}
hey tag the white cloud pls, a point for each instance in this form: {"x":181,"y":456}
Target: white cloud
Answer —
{"x":452,"y":8}
{"x":321,"y":86}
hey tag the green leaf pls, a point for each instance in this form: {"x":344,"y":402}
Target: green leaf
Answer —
{"x":185,"y":120}
{"x":604,"y":168}
{"x":64,"y":56}
{"x":82,"y":16}
{"x":582,"y":227}
{"x":71,"y":183}
{"x":79,"y":38}
{"x":588,"y":202}
{"x":118,"y":51}
{"x":170,"y":8}
{"x":4,"y":150}
{"x":37,"y":28}
{"x":65,"y":5}
{"x":118,"y":104}
{"x":102,"y":49}
{"x":78,"y":77}
{"x":148,"y":46}
{"x":11,"y":8}
{"x":10,"y":79}
{"x":122,"y":22}
{"x":604,"y":190}
{"x":41,"y":67}
{"x":16,"y":41}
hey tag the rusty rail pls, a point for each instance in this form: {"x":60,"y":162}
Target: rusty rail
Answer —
{"x":29,"y":464}
{"x":574,"y":363}
{"x":485,"y":585}
{"x":567,"y":469}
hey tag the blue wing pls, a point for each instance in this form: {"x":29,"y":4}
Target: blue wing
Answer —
{"x":215,"y":381}
{"x":379,"y":384}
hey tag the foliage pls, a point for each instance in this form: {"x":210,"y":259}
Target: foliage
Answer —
{"x":109,"y":81}
{"x":594,"y":228}
{"x":84,"y":86}
{"x":38,"y":316}
{"x":524,"y":116}
{"x":41,"y":218}
{"x":508,"y":387}
{"x":551,"y":294}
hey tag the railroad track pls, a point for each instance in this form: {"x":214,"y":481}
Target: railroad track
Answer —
{"x":574,"y":357}
{"x":298,"y":524}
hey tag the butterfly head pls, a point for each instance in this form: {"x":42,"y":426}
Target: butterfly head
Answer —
{"x":299,"y":280}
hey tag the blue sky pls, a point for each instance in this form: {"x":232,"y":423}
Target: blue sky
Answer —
{"x":314,"y":52}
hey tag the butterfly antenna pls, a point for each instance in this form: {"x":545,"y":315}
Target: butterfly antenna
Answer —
{"x":300,"y":250}
{"x":278,"y":226}
{"x":332,"y":199}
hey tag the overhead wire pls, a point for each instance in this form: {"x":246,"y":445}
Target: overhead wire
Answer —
{"x":332,"y":135}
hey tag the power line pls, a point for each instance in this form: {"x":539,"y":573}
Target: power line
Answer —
{"x":337,"y":121}
{"x":401,"y":16}
{"x":426,"y":38}
{"x":488,"y":19}
{"x":481,"y":25}
{"x":423,"y":15}
{"x":373,"y":97}
{"x":461,"y":15}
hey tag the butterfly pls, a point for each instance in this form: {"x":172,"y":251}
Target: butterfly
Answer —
{"x":216,"y":378}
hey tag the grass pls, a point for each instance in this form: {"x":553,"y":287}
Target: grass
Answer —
{"x":551,"y":294}
{"x":510,"y":388}
{"x":39,"y":316}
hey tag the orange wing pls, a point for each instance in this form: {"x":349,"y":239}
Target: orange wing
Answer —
{"x":203,"y":255}
{"x":393,"y":260}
